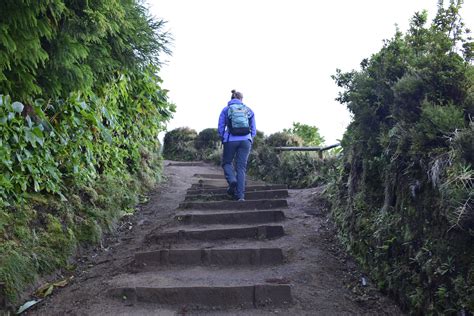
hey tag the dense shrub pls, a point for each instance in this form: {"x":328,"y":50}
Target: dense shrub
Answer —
{"x":80,"y":110}
{"x":178,"y":144}
{"x":258,"y":140}
{"x":208,"y":144}
{"x":404,"y":196}
{"x":185,"y":144}
{"x":296,"y":169}
{"x":309,"y":134}
{"x":207,"y":139}
{"x":282,"y":139}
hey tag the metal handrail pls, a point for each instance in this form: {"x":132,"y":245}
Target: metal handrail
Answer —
{"x":318,"y":149}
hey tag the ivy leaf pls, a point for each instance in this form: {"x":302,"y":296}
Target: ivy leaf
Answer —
{"x":30,"y":138}
{"x":8,"y":164}
{"x":62,"y":197}
{"x":39,"y":137}
{"x":18,"y":107}
{"x":36,"y":184}
{"x":106,"y":135}
{"x":27,"y":305}
{"x":28,"y":120}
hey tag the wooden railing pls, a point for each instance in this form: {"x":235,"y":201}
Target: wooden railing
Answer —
{"x":318,"y":149}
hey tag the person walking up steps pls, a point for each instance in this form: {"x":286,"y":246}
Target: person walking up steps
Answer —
{"x":237,"y":129}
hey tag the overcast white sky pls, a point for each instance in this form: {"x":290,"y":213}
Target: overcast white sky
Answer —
{"x":279,"y":53}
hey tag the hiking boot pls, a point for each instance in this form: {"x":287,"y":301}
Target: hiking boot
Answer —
{"x":231,"y":189}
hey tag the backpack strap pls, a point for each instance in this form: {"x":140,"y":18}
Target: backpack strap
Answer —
{"x":226,"y":128}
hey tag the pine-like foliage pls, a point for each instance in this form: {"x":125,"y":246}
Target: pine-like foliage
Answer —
{"x":50,"y":48}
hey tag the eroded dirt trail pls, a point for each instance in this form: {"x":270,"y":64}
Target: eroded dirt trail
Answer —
{"x":191,"y":251}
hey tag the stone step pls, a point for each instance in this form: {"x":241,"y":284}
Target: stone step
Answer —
{"x":248,"y":232}
{"x":242,"y":243}
{"x":187,"y":164}
{"x":252,"y":195}
{"x":206,"y":257}
{"x":239,"y":217}
{"x":235,"y":205}
{"x":248,"y":188}
{"x":209,"y":176}
{"x":214,"y":183}
{"x":198,"y":297}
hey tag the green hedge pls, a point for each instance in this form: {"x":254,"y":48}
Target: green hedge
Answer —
{"x":54,"y":159}
{"x":185,"y":144}
{"x":179,"y":143}
{"x":404,"y":195}
{"x":81,"y":106}
{"x":296,"y":169}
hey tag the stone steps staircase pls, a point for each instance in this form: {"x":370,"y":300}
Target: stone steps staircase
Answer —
{"x":219,"y":254}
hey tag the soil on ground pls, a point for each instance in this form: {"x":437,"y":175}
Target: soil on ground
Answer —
{"x":324,"y":279}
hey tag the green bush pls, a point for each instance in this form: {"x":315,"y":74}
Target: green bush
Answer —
{"x":80,"y":109}
{"x":207,"y":139}
{"x":258,"y":140}
{"x":296,"y":169}
{"x":403,"y":195}
{"x":283,"y":139}
{"x":309,"y":134}
{"x":178,"y":144}
{"x":208,"y":144}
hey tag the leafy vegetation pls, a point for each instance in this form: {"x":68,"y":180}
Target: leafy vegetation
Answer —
{"x":283,"y":139}
{"x":298,"y":170}
{"x":404,"y":194}
{"x":80,"y":110}
{"x":179,"y":143}
{"x":309,"y":134}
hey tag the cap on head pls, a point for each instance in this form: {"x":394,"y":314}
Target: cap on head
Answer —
{"x":236,"y":95}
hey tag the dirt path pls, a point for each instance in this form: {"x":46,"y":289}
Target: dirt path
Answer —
{"x":293,"y":266}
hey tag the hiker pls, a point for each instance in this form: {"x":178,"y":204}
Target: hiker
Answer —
{"x":237,"y":129}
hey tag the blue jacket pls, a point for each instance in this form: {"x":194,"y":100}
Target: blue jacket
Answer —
{"x":222,"y":126}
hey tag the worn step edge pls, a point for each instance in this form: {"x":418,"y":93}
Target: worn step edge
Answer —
{"x":206,"y":257}
{"x":253,"y":195}
{"x":207,"y":186}
{"x":209,"y":176}
{"x":255,"y":232}
{"x":187,"y":164}
{"x":236,"y":205}
{"x":248,"y":188}
{"x":223,"y":181}
{"x":250,"y":296}
{"x":240,"y":217}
